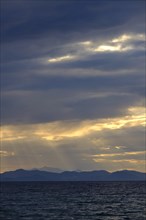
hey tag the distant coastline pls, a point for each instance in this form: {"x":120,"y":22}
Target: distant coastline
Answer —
{"x":96,"y":175}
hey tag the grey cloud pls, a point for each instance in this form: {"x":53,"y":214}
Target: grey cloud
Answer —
{"x":133,"y":139}
{"x":37,"y":107}
{"x":56,"y":23}
{"x":69,"y":16}
{"x":94,"y":86}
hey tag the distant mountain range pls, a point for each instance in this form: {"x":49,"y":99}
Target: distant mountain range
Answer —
{"x":99,"y":175}
{"x":49,"y":169}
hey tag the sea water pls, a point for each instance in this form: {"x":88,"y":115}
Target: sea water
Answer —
{"x":73,"y":200}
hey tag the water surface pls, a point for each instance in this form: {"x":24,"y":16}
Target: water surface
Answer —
{"x":73,"y":200}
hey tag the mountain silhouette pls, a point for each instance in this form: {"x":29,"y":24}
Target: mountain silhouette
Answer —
{"x":97,"y":175}
{"x":49,"y":169}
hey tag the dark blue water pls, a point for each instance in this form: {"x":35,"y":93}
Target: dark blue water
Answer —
{"x":73,"y":200}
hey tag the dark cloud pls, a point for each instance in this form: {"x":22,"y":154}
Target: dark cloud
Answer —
{"x":34,"y":31}
{"x":38,"y":107}
{"x":25,"y":20}
{"x":108,"y":62}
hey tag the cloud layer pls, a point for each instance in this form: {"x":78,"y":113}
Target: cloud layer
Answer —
{"x":67,"y":69}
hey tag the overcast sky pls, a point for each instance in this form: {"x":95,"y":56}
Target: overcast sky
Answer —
{"x":73,"y":84}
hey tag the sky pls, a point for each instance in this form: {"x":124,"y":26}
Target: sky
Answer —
{"x":73,"y":84}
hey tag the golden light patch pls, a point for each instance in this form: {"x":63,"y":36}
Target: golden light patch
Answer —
{"x":119,"y":154}
{"x":6,"y":153}
{"x":8,"y":133}
{"x":128,"y":161}
{"x":61,"y":130}
{"x":113,"y":45}
{"x":119,"y":147}
{"x":103,"y":48}
{"x":127,"y":37}
{"x":86,"y":43}
{"x":131,"y":161}
{"x":122,"y":38}
{"x":112,"y":48}
{"x":61,"y":59}
{"x":118,"y":44}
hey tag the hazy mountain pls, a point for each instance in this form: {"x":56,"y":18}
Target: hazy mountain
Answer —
{"x":100,"y":175}
{"x":53,"y":170}
{"x":49,"y":169}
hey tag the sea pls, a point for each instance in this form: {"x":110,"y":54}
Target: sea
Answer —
{"x":73,"y":200}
